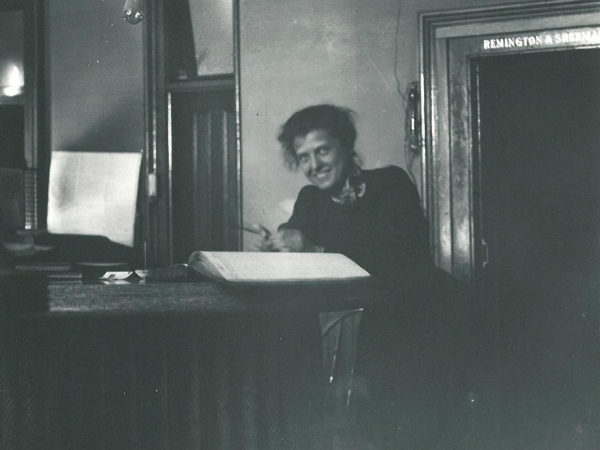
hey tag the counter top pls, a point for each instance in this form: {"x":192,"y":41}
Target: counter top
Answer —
{"x":37,"y":295}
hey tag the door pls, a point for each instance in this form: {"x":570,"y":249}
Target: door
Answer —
{"x":511,"y":111}
{"x":537,"y":204}
{"x":193,"y":129}
{"x":205,"y":197}
{"x":539,"y":177}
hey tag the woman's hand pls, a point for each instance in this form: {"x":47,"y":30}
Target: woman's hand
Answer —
{"x":265,"y":244}
{"x":291,"y":241}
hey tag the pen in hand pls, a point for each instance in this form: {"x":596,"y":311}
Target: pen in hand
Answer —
{"x":257,"y":228}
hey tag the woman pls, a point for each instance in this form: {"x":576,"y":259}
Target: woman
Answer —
{"x":373,"y":217}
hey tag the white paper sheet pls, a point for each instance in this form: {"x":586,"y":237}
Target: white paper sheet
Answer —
{"x":94,"y":193}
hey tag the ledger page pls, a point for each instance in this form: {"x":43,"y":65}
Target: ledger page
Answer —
{"x":278,"y":267}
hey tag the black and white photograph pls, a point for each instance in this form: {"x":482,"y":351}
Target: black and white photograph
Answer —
{"x":299,"y":224}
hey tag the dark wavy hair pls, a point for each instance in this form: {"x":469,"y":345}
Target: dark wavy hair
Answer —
{"x":336,"y":120}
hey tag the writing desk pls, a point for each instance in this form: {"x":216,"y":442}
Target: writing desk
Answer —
{"x":164,"y":365}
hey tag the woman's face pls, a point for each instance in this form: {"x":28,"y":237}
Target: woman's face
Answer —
{"x":322,"y":159}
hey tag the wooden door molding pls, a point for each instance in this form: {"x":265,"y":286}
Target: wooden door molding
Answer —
{"x":157,"y":183}
{"x":448,"y":42}
{"x":33,"y":175}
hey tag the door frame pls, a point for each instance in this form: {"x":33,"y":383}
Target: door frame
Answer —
{"x":447,"y":42}
{"x":35,"y":146}
{"x":156,"y":228}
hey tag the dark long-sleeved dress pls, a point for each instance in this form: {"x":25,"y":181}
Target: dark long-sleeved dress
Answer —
{"x":384,"y":231}
{"x":401,"y":352}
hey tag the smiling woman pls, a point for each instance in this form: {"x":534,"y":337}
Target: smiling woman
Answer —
{"x":373,"y":217}
{"x":322,"y":159}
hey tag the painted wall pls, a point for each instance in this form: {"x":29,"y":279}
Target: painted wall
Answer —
{"x":95,"y":77}
{"x":349,"y":52}
{"x":355,"y":53}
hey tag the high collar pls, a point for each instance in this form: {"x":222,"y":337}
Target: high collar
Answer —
{"x":354,"y":188}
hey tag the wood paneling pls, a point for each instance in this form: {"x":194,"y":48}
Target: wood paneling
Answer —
{"x":204,"y":194}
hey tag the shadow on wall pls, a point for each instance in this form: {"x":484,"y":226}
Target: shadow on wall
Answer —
{"x":116,"y":129}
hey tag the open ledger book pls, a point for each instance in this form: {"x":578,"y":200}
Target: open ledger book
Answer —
{"x":274,"y":267}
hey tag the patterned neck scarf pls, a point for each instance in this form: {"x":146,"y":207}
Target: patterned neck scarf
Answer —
{"x":353,"y":189}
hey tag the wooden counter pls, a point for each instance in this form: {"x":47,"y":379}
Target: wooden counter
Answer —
{"x":204,"y":298}
{"x":164,"y":365}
